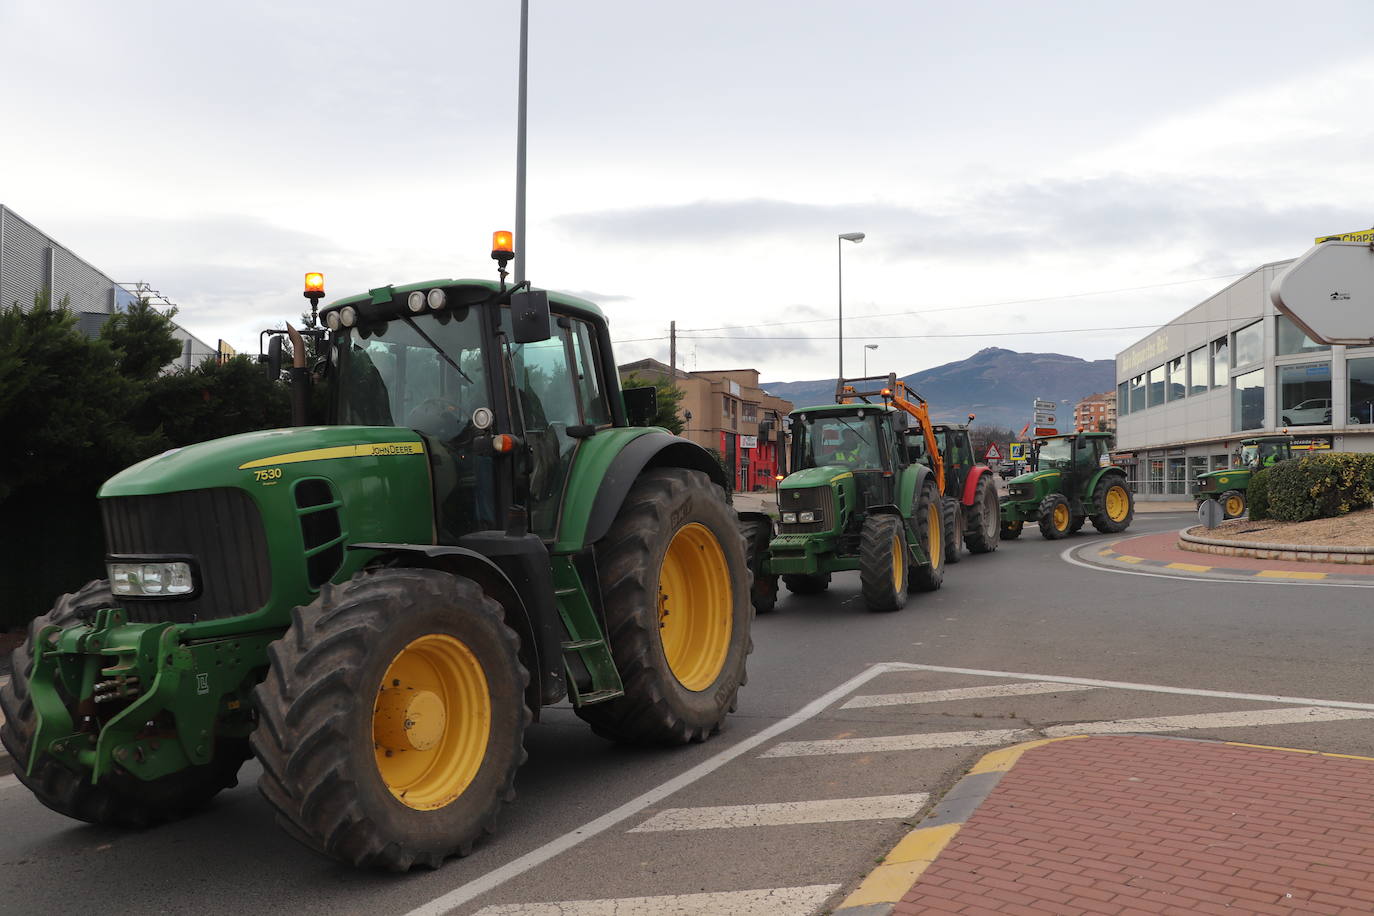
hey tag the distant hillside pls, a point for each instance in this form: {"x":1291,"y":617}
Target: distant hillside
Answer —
{"x":998,"y":385}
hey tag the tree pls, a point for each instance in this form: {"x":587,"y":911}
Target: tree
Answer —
{"x":143,"y":339}
{"x":212,"y":400}
{"x":984,"y":434}
{"x":669,"y":397}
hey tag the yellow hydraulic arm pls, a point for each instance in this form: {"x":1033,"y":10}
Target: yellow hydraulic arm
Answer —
{"x":896,"y":393}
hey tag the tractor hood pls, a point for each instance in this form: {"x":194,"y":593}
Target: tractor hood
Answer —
{"x":1220,"y":481}
{"x":815,"y":477}
{"x":1030,"y":478}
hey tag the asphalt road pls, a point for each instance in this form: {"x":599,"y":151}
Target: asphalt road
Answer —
{"x":736,"y":814}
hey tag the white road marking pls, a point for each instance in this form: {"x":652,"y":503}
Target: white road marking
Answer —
{"x":9,"y":782}
{"x":778,"y":901}
{"x":1126,"y":685}
{"x":924,"y":741}
{"x":1066,"y":556}
{"x":1249,"y":717}
{"x":959,"y":693}
{"x":516,"y":867}
{"x":774,"y":814}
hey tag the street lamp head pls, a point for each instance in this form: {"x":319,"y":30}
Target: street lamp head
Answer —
{"x":852,"y":236}
{"x":870,"y":346}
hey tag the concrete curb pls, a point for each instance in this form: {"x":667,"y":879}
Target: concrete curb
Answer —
{"x":897,"y":874}
{"x":1310,"y":553}
{"x":1110,"y":558}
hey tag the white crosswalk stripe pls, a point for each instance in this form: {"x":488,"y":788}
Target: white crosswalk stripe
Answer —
{"x":777,"y":901}
{"x":773,"y":814}
{"x":827,"y":746}
{"x":1250,"y":717}
{"x":990,"y":691}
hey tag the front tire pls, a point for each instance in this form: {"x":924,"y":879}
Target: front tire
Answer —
{"x":1115,"y":505}
{"x":758,"y":534}
{"x":121,"y":799}
{"x":392,"y":719}
{"x":676,"y":592}
{"x":1232,"y":504}
{"x":954,"y":530}
{"x":884,"y":563}
{"x":928,"y":521}
{"x":1056,"y":518}
{"x":984,"y":531}
{"x":1012,"y":530}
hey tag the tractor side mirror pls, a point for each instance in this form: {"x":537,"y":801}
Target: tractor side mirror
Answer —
{"x":529,"y":315}
{"x":274,"y":358}
{"x":641,"y":404}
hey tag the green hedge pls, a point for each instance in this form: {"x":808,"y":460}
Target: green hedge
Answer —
{"x":1257,"y":495}
{"x":1318,"y":486}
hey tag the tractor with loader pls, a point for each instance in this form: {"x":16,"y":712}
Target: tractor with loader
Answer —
{"x":377,"y":606}
{"x":1072,"y":482}
{"x":1229,"y":486}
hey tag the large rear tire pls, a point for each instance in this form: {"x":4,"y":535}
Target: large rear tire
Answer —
{"x":804,"y":584}
{"x":392,"y":718}
{"x":758,"y":534}
{"x":1056,"y":517}
{"x":984,"y":530}
{"x":928,"y":519}
{"x":675,"y":586}
{"x":121,"y":799}
{"x":884,"y":563}
{"x":1115,"y":505}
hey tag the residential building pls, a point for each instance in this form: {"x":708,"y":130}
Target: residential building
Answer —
{"x":32,"y":261}
{"x":727,"y":411}
{"x":1229,"y":368}
{"x":1096,"y":412}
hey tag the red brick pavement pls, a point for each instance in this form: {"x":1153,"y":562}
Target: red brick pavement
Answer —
{"x":1164,"y":547}
{"x":1126,"y":826}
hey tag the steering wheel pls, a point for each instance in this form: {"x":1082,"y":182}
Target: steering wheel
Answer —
{"x":439,"y":417}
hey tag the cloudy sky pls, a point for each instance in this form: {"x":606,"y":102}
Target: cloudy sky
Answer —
{"x":1023,"y":170}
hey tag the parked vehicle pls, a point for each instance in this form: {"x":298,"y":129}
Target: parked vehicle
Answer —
{"x":1312,"y":412}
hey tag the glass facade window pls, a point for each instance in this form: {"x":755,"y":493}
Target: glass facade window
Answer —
{"x":1154,"y":485}
{"x":1138,"y":394}
{"x":1289,"y":339}
{"x":1198,"y":379}
{"x":1361,"y":372}
{"x":1123,"y":399}
{"x":1249,"y":344}
{"x":1178,"y":480}
{"x":1197,"y":464}
{"x":1305,"y":395}
{"x":1221,"y":462}
{"x":1221,"y":363}
{"x":1247,"y":401}
{"x":1156,"y":386}
{"x":1178,"y":379}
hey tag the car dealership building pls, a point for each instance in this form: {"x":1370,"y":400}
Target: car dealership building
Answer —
{"x":1229,"y":368}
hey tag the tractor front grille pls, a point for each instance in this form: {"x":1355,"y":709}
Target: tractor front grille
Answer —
{"x":808,"y":499}
{"x":221,"y":531}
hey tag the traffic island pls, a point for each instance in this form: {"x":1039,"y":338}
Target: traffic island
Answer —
{"x":1139,"y":824}
{"x":1347,"y":539}
{"x":1163,"y":554}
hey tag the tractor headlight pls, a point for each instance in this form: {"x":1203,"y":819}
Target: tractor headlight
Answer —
{"x":151,"y":580}
{"x":789,"y":518}
{"x":332,"y":321}
{"x":348,"y":316}
{"x":416,"y":301}
{"x":805,"y":517}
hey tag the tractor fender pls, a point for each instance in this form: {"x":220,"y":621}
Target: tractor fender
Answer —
{"x":529,"y":610}
{"x":975,"y":474}
{"x":913,"y":478}
{"x":657,"y":449}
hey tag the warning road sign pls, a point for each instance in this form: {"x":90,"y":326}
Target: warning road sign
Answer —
{"x":992,"y":454}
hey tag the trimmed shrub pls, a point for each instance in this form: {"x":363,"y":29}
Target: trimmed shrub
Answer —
{"x":1257,"y":495}
{"x":1319,"y":486}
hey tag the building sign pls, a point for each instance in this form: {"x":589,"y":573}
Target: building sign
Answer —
{"x":1360,"y":235}
{"x":1312,"y":444}
{"x":1145,"y":355}
{"x":748,"y":441}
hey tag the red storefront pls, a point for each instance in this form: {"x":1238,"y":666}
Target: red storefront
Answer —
{"x":754,"y":461}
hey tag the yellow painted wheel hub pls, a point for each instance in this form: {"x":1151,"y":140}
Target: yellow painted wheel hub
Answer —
{"x":1060,"y":518}
{"x":1235,"y":506}
{"x":897,"y":548}
{"x":1118,"y":503}
{"x":431,"y":722}
{"x":934,"y":536}
{"x":696,"y":605}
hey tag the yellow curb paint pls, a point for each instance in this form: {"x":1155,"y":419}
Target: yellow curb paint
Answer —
{"x":1106,"y":552}
{"x":1298,"y":750}
{"x":1125,"y":559}
{"x":886,"y":884}
{"x":1190,"y":567}
{"x":1284,"y":574}
{"x":1005,"y":759}
{"x":922,"y":845}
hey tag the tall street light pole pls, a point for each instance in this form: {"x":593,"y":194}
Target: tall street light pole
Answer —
{"x":839,"y":251}
{"x":520,"y":244}
{"x":868,"y":347}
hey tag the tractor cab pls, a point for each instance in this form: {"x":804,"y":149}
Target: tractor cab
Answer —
{"x":856,"y":441}
{"x":1265,"y":451}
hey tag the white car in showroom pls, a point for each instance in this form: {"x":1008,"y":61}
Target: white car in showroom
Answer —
{"x":1312,"y":412}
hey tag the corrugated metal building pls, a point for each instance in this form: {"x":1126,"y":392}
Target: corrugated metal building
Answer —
{"x":31,"y":260}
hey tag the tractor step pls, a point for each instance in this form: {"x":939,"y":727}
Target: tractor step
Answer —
{"x":583,"y":644}
{"x":587,"y":661}
{"x":599,"y":696}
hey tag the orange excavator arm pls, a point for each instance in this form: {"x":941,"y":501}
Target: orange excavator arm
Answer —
{"x":917,"y":408}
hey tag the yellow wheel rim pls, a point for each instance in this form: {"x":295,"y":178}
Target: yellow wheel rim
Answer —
{"x":696,"y":606}
{"x":431,"y":722}
{"x":1060,"y":517}
{"x":897,"y":548}
{"x":1234,"y":505}
{"x":1118,"y":503}
{"x":933,"y":535}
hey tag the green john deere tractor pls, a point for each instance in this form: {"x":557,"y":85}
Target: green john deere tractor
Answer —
{"x":1070,"y":485}
{"x":377,"y":608}
{"x":1229,"y":486}
{"x":857,"y":499}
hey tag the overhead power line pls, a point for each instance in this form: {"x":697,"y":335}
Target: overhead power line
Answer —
{"x":1121,"y":327}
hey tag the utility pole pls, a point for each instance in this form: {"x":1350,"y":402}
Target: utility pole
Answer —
{"x":521,"y":245}
{"x":672,"y":348}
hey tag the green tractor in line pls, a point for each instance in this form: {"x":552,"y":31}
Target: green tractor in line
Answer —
{"x":1229,"y":486}
{"x":858,"y":498}
{"x":377,"y":608}
{"x":1071,"y":484}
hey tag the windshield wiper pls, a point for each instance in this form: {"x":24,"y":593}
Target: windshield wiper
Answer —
{"x":438,"y":349}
